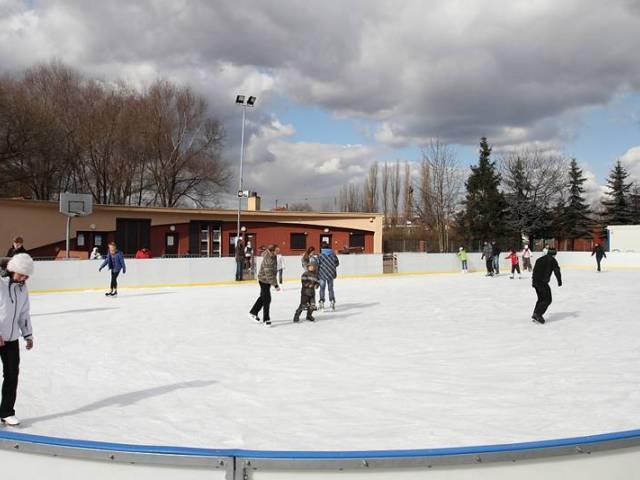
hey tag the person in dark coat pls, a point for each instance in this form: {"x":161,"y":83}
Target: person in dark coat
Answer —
{"x":239,"y":259}
{"x":115,"y":263}
{"x":542,"y":270}
{"x":487,"y":256}
{"x":310,"y":282}
{"x":598,"y":251}
{"x":17,"y":247}
{"x":267,"y":277}
{"x":495,"y":255}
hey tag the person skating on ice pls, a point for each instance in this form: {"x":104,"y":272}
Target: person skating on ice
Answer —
{"x":544,"y":267}
{"x":495,"y":256}
{"x":515,"y":264}
{"x":462,"y":255}
{"x":599,"y":252}
{"x":280,"y":263}
{"x":15,"y":320}
{"x":309,"y":282}
{"x":487,"y":256}
{"x":526,"y":259}
{"x":115,"y":263}
{"x":309,"y":256}
{"x":267,"y":277}
{"x":327,"y":264}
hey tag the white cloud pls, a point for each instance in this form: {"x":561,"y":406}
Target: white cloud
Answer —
{"x":631,"y":160}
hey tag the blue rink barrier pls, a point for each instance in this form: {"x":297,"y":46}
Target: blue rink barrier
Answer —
{"x":614,"y":455}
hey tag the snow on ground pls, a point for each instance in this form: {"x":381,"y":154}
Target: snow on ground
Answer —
{"x":405,"y":362}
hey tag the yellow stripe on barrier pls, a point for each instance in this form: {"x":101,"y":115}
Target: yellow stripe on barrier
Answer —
{"x":291,"y":279}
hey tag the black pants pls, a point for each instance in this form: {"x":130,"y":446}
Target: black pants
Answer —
{"x":114,"y":280}
{"x":263,"y":302}
{"x":598,"y":260}
{"x":515,"y":268}
{"x":10,"y":354}
{"x":307,"y":302}
{"x":544,"y":298}
{"x":489,"y":262}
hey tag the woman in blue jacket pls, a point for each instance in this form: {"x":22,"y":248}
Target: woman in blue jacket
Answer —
{"x":115,"y":263}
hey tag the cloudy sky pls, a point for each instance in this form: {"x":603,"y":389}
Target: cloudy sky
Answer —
{"x":343,"y":83}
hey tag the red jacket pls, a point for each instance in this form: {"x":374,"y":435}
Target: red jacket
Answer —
{"x":513,"y":257}
{"x":143,"y":253}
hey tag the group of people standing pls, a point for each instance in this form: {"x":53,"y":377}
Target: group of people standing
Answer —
{"x":319,"y":273}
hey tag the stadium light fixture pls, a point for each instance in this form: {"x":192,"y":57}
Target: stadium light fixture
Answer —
{"x":240,"y":99}
{"x":250,"y":102}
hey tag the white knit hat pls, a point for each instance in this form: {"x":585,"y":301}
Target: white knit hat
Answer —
{"x":21,"y":263}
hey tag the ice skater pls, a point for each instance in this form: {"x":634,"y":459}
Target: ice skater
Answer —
{"x":310,"y":283}
{"x":526,"y":259}
{"x":462,"y":255}
{"x":488,"y":258}
{"x":327,"y":272}
{"x":598,"y":251}
{"x":16,"y":247}
{"x":495,"y":256}
{"x":280,"y":263}
{"x":15,"y":319}
{"x":515,"y":264}
{"x":267,"y":278}
{"x":115,"y":263}
{"x":544,"y":267}
{"x":308,"y":256}
{"x":239,"y":255}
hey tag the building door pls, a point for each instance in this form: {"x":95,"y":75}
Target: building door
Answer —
{"x":205,"y":239}
{"x":326,"y":238}
{"x":132,"y":234}
{"x":171,"y":241}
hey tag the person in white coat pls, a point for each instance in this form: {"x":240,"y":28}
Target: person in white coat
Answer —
{"x":15,"y":320}
{"x":280,"y":263}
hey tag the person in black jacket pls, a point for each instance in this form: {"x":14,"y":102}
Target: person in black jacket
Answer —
{"x":310,"y":282}
{"x":495,"y":256}
{"x":598,"y":251}
{"x":544,"y":267}
{"x":17,"y":247}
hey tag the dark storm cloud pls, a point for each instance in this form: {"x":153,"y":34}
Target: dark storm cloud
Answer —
{"x":517,"y":71}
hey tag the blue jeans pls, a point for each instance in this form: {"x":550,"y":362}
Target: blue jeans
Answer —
{"x":327,"y":283}
{"x":464,"y":264}
{"x":239,"y":268}
{"x":496,"y":264}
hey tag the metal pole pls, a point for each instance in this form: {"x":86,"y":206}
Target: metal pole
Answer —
{"x":68,"y":235}
{"x":244,"y":109}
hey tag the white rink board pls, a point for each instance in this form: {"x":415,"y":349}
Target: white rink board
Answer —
{"x":35,"y":466}
{"x":613,"y":465}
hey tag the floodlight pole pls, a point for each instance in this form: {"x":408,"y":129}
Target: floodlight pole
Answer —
{"x":244,"y":112}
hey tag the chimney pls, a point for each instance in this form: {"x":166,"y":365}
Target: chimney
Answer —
{"x":253,"y":202}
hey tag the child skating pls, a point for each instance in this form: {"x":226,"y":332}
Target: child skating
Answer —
{"x":515,"y":264}
{"x":310,"y":283}
{"x":115,"y":263}
{"x":462,"y":255}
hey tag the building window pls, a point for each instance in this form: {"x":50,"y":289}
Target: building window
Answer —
{"x":356,"y":240}
{"x":80,"y":240}
{"x":97,"y":240}
{"x":298,"y":241}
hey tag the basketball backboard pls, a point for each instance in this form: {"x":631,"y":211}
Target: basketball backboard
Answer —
{"x":76,"y":204}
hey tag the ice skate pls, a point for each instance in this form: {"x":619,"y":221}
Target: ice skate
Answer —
{"x":333,"y":305}
{"x":255,"y":318}
{"x":511,"y":277}
{"x":267,"y":323}
{"x":321,"y":305}
{"x":310,"y":318}
{"x":537,"y":318}
{"x":108,"y":294}
{"x":11,"y":421}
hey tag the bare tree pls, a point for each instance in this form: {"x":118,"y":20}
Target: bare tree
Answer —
{"x":439,"y":191}
{"x":407,"y":194}
{"x":534,"y":181}
{"x":386,"y":201}
{"x":370,"y":192}
{"x":395,"y":193}
{"x":350,"y":199}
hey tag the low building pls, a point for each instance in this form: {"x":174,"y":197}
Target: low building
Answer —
{"x":182,"y":231}
{"x":624,"y":238}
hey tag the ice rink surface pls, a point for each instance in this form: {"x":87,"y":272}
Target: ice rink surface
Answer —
{"x":404,"y":362}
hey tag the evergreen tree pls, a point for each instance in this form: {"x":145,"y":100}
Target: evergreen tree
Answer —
{"x":617,"y":208}
{"x":484,"y":203}
{"x":574,"y":215}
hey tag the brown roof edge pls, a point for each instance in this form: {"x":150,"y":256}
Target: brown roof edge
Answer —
{"x":265,"y":213}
